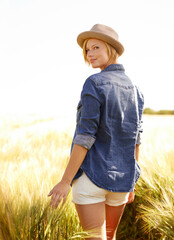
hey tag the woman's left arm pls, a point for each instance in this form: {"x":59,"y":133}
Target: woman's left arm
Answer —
{"x":61,"y":189}
{"x":132,"y":194}
{"x":137,"y":152}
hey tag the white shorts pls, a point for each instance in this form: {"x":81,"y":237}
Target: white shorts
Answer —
{"x":86,"y":192}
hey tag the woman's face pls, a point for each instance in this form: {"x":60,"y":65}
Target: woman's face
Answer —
{"x":97,"y":54}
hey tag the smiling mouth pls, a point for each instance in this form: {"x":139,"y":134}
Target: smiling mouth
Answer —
{"x":92,"y":60}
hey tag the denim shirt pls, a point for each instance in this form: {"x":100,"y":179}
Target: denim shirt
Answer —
{"x":109,"y":117}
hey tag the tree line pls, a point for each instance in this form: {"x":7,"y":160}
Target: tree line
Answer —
{"x":160,"y":112}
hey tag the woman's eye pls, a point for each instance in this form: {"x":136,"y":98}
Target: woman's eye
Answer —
{"x":94,"y":48}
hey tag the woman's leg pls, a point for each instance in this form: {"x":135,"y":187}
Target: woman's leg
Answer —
{"x":92,"y":217}
{"x":113,"y":217}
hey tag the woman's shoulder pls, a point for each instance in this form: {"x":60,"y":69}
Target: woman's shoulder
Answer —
{"x":91,"y":81}
{"x":95,"y":78}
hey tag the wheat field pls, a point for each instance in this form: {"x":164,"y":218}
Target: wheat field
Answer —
{"x":34,"y":151}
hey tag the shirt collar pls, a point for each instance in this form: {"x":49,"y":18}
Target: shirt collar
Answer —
{"x":114,"y":67}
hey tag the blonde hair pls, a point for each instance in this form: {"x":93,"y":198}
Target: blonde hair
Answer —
{"x":112,"y":53}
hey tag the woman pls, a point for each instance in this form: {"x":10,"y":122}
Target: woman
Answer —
{"x":103,"y":166}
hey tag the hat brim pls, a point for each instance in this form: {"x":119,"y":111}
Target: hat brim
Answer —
{"x":101,"y":36}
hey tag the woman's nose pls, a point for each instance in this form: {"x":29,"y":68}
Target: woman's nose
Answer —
{"x":89,"y":53}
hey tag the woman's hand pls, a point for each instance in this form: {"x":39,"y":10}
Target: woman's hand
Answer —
{"x":131,"y":197}
{"x":59,"y":191}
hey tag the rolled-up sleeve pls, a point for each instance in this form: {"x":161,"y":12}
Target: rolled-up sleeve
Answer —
{"x":88,"y":122}
{"x":84,"y":141}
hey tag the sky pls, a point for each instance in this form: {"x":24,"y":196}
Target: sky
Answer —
{"x":42,"y":68}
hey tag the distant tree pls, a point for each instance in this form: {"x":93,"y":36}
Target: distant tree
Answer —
{"x":149,"y":111}
{"x":160,"y":112}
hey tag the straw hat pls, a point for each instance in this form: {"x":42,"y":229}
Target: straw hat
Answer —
{"x":103,"y":33}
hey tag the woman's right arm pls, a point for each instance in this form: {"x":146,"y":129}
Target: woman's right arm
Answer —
{"x":61,"y":189}
{"x":86,"y":130}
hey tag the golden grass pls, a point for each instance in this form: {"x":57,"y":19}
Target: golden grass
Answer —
{"x":33,"y":154}
{"x":156,"y":186}
{"x":33,"y":159}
